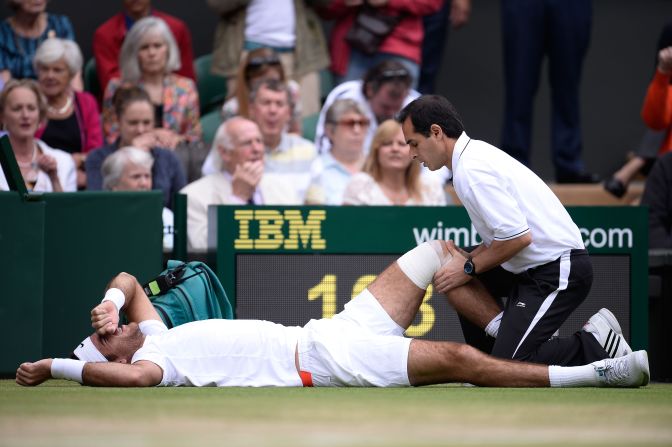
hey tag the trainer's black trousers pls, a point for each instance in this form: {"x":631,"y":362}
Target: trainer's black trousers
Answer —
{"x":539,"y":301}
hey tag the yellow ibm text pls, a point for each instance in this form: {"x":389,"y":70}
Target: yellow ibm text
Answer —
{"x":280,"y":229}
{"x":326,"y":290}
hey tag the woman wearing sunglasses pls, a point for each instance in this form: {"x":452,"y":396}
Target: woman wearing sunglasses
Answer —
{"x":346,"y":127}
{"x":261,"y":64}
{"x":390,"y":177}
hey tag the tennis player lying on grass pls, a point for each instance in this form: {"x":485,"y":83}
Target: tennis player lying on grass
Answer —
{"x":361,"y":346}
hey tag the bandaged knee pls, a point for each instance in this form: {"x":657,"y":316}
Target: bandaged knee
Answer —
{"x":421,"y":263}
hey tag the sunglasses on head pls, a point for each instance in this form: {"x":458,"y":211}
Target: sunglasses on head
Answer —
{"x":351,"y":123}
{"x":256,"y":62}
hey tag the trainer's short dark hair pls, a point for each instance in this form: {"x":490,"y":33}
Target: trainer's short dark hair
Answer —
{"x":432,"y":109}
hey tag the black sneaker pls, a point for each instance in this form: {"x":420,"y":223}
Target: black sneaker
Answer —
{"x":615,"y":187}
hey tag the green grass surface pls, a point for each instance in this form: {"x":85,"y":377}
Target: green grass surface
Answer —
{"x":61,"y":413}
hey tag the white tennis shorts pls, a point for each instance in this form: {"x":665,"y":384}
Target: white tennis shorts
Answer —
{"x":360,"y":346}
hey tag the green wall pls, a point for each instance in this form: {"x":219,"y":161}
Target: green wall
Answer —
{"x":57,"y":253}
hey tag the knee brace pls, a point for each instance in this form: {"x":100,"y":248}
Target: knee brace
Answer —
{"x":421,"y":263}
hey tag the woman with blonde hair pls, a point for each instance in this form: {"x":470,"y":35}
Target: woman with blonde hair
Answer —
{"x":44,"y":169}
{"x":390,"y":177}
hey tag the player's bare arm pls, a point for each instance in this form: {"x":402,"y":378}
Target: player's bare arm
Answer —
{"x":137,"y":307}
{"x":139,"y":374}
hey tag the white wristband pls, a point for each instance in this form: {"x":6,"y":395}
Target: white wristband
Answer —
{"x":67,"y":369}
{"x":116,"y":296}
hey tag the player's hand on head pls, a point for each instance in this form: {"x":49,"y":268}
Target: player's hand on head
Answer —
{"x":32,"y":374}
{"x":105,"y":318}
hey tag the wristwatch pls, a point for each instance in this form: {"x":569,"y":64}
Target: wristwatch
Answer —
{"x":469,"y":267}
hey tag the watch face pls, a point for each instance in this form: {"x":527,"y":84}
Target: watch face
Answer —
{"x":468,"y":267}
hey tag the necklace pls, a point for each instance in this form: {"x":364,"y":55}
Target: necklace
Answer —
{"x":63,"y":109}
{"x":29,"y":164}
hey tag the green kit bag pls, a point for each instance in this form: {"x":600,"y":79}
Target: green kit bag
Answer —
{"x":186,"y":292}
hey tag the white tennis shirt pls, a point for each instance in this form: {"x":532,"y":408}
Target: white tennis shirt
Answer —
{"x":222,"y":353}
{"x":505,"y":200}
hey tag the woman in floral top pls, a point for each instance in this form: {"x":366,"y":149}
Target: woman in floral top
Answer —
{"x":148,"y":58}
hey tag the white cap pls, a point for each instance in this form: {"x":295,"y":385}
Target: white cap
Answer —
{"x":88,"y":352}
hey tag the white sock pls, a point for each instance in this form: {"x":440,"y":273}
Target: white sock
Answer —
{"x":572,"y":376}
{"x":492,"y":329}
{"x":420,"y":264}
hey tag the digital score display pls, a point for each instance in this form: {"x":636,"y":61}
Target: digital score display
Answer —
{"x":292,"y":264}
{"x":293,"y":289}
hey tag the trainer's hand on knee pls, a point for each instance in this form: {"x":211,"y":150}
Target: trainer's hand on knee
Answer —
{"x":452,"y":248}
{"x":451,"y":275}
{"x":105,"y":318}
{"x":32,"y":374}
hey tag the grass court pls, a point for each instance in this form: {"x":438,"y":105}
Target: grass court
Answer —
{"x":62,"y":413}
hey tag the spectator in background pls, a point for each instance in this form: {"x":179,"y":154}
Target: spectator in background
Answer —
{"x":383,"y":91}
{"x":241,"y":179}
{"x":654,"y":142}
{"x":657,"y":114}
{"x":453,"y":14}
{"x":21,"y":34}
{"x":130,"y":169}
{"x":135,"y":115}
{"x":657,"y":109}
{"x":149,"y":56}
{"x":346,"y":127}
{"x":390,"y":177}
{"x":73,"y":119}
{"x":45,"y":169}
{"x":403,"y":44}
{"x":260,"y":64}
{"x":658,"y":197}
{"x":108,"y":39}
{"x":290,"y":27}
{"x":561,"y":30}
{"x":286,"y":153}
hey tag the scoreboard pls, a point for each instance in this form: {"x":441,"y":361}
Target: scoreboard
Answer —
{"x":291,"y":264}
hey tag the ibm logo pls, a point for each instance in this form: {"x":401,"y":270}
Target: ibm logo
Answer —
{"x":287,"y":230}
